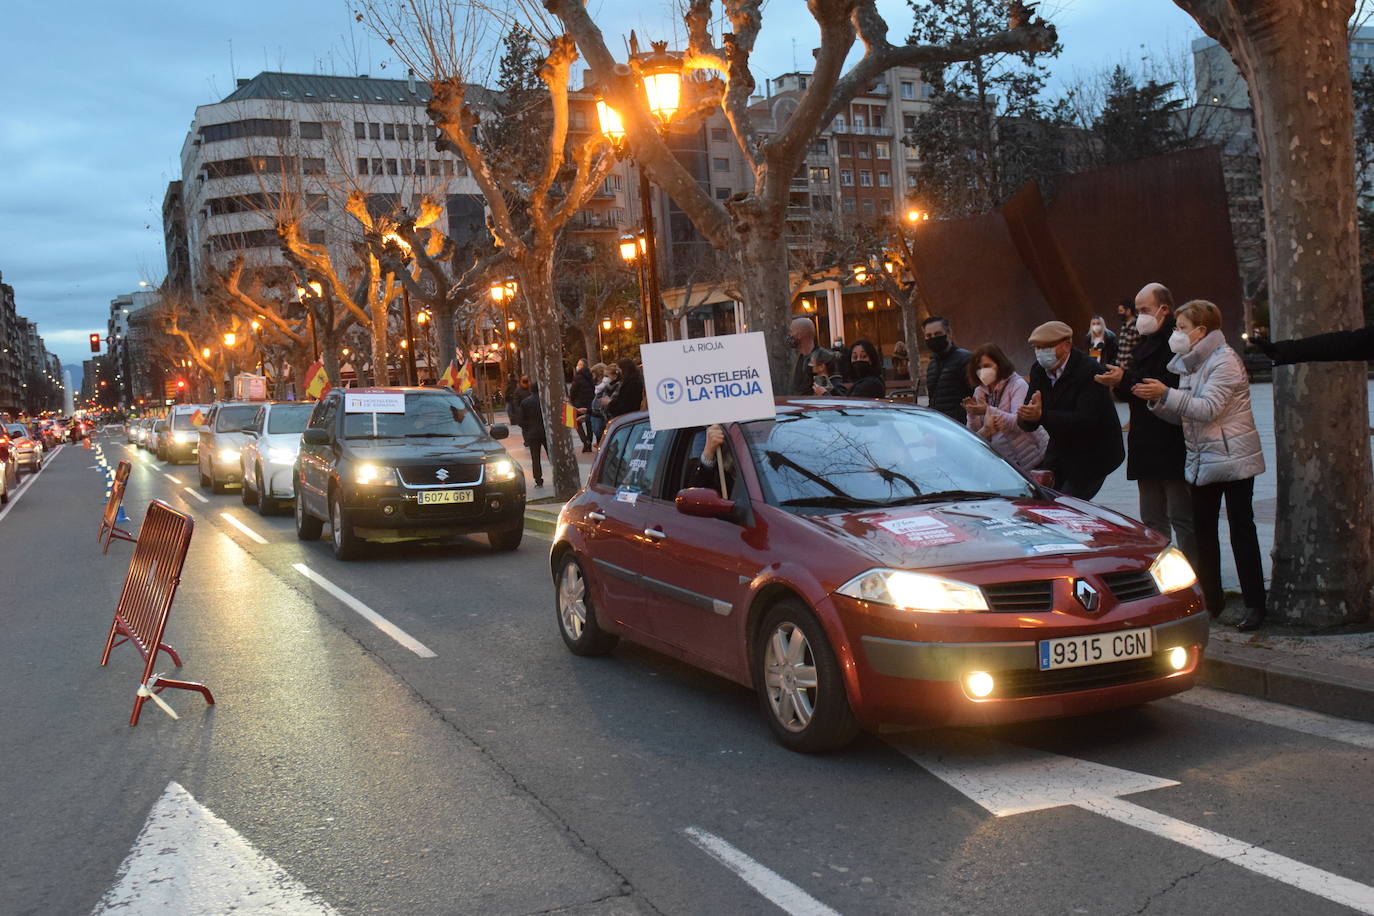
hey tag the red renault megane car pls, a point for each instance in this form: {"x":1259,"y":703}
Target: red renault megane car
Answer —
{"x":861,"y":564}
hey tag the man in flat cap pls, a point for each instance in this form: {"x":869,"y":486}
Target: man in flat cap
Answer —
{"x":1077,"y":412}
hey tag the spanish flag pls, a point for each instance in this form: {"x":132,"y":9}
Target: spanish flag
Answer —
{"x":460,"y":380}
{"x":316,"y":381}
{"x":465,"y":380}
{"x":450,"y":377}
{"x":569,"y":416}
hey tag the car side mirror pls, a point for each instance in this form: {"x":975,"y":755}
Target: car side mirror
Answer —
{"x":315,"y":436}
{"x":701,"y":502}
{"x":499,"y":431}
{"x":1042,"y":478}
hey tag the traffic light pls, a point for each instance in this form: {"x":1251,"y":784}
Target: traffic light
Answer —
{"x":95,"y":343}
{"x":181,"y":384}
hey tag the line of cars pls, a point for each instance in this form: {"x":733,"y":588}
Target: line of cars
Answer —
{"x":377,"y":464}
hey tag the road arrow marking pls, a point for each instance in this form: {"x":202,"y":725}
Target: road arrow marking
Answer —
{"x":188,"y":861}
{"x":1007,"y":779}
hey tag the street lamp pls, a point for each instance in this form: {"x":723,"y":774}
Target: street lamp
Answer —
{"x":205,"y":352}
{"x":230,"y":338}
{"x":661,"y":74}
{"x":612,"y":125}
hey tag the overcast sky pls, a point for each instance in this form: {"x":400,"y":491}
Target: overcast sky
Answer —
{"x":96,"y":98}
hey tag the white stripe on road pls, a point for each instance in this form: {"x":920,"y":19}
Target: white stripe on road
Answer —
{"x":193,"y":492}
{"x":1360,"y":734}
{"x":1238,"y":852}
{"x":171,"y":477}
{"x":242,"y":527}
{"x":27,"y":484}
{"x":782,"y":893}
{"x":377,"y":620}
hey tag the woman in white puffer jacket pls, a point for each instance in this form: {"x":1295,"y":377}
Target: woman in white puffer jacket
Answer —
{"x":1212,"y":403}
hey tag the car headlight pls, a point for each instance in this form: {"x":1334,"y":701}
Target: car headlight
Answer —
{"x":372,"y":474}
{"x":914,"y":591}
{"x":183,"y":436}
{"x":279,"y":455}
{"x":501,"y":470}
{"x":228,"y":454}
{"x":1172,"y":572}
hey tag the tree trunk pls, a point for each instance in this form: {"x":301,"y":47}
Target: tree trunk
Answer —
{"x":329,"y":354}
{"x":445,"y":336}
{"x":1294,"y":55}
{"x":381,"y":375}
{"x":545,"y":362}
{"x":767,"y":289}
{"x":589,"y":343}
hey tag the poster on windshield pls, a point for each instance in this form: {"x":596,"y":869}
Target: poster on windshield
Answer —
{"x":374,"y":402}
{"x":707,"y":380}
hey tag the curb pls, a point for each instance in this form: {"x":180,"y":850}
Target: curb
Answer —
{"x":540,"y":522}
{"x":1337,"y":690}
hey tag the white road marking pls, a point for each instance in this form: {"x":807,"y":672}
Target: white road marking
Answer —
{"x":377,"y":620}
{"x":193,"y":492}
{"x":782,"y":893}
{"x":1349,"y":731}
{"x":242,"y":527}
{"x":188,"y":860}
{"x":172,"y":477}
{"x":27,"y":483}
{"x":1007,"y":779}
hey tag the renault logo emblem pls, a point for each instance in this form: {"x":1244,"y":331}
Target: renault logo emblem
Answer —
{"x":1087,"y":596}
{"x":442,"y":474}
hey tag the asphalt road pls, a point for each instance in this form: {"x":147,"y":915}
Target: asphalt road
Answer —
{"x":496,"y":773}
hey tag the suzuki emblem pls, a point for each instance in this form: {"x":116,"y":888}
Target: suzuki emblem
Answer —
{"x":1087,"y":596}
{"x":442,"y":474}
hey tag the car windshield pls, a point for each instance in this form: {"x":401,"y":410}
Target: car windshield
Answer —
{"x":185,"y":420}
{"x":427,"y":415}
{"x":233,"y":419}
{"x":873,"y":456}
{"x":288,"y":418}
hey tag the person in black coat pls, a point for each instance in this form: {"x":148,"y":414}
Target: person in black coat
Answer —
{"x":532,"y":427}
{"x":1337,"y":346}
{"x":515,"y":399}
{"x":580,"y":394}
{"x":1100,"y":342}
{"x":866,"y":369}
{"x":1154,"y":447}
{"x":1085,"y":434}
{"x":630,"y":395}
{"x":947,"y":375}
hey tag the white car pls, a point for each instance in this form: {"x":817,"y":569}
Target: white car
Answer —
{"x":267,"y":457}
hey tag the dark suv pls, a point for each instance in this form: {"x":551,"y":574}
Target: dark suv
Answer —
{"x":405,"y":463}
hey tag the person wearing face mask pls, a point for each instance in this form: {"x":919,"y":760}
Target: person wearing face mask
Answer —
{"x":826,"y":380}
{"x":1154,"y":446}
{"x":992,"y":408}
{"x":1101,"y":342}
{"x":865,"y":368}
{"x":1085,"y":435}
{"x":947,"y":375}
{"x":1212,"y":404}
{"x":801,"y":336}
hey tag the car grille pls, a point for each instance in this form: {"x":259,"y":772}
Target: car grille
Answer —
{"x":443,"y":511}
{"x":1015,"y":684}
{"x":427,"y":475}
{"x":1036,"y":595}
{"x":1131,"y":586}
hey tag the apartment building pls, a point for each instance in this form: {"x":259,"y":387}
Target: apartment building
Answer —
{"x":30,"y":376}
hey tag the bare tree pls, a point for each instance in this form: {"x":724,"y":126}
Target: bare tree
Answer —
{"x":751,"y":224}
{"x":1295,"y":57}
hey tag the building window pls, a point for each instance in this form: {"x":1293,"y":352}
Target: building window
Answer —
{"x":909,"y":121}
{"x":722,"y":193}
{"x":926,"y":91}
{"x":821,"y":147}
{"x":884,"y":179}
{"x":312,"y":130}
{"x":847,"y":205}
{"x":719,"y":135}
{"x":577,"y":119}
{"x":911,"y":180}
{"x":865,"y":178}
{"x":376,"y":166}
{"x":820,"y":173}
{"x":388,"y":131}
{"x":420,"y":167}
{"x":912,"y":154}
{"x":908,"y":90}
{"x":448,"y":168}
{"x":720,"y":164}
{"x":868,"y":206}
{"x":374,"y":131}
{"x":315,"y":236}
{"x":252,"y":127}
{"x":391,"y":167}
{"x":839,"y":123}
{"x":312,"y":166}
{"x":402,"y":131}
{"x":431,"y":132}
{"x":405,"y":166}
{"x":846,"y":178}
{"x":884,"y":151}
{"x":859,"y":122}
{"x":885,"y":206}
{"x":865,"y":150}
{"x":359,"y":130}
{"x":877,"y":118}
{"x":362,"y":165}
{"x":434,"y":169}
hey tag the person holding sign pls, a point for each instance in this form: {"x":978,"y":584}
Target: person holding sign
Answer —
{"x":717,"y":468}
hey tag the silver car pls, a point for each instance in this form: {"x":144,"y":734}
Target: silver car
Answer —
{"x":267,"y":458}
{"x":28,"y":451}
{"x":221,"y":438}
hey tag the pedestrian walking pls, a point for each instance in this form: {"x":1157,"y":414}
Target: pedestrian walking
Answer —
{"x":515,"y":400}
{"x":801,"y":336}
{"x":947,"y":375}
{"x":992,"y":408}
{"x":596,"y":414}
{"x":865,"y":371}
{"x":1084,"y":433}
{"x":1128,"y":335}
{"x":580,"y":394}
{"x":1101,"y":342}
{"x":1212,"y":404}
{"x":532,"y":427}
{"x":1154,"y":446}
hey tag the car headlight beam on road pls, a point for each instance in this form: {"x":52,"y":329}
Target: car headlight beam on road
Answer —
{"x":504,"y":469}
{"x":1172,"y":572}
{"x":374,"y":475}
{"x":914,"y":591}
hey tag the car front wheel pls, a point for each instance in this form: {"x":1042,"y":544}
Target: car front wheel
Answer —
{"x":798,"y":680}
{"x":576,"y":616}
{"x":507,"y":539}
{"x":308,"y":527}
{"x":266,"y":504}
{"x":346,"y":544}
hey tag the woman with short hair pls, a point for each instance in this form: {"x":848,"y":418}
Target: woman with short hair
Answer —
{"x":997,"y":391}
{"x":1212,"y":404}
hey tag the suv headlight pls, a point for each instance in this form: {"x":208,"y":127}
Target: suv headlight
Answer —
{"x":228,"y":454}
{"x":374,"y":475}
{"x":183,"y":436}
{"x":502,"y":470}
{"x":1172,"y":572}
{"x":914,"y":591}
{"x":281,"y":455}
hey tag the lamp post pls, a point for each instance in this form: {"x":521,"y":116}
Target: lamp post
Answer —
{"x":503,"y":292}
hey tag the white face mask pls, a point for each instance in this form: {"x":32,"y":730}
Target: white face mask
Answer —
{"x":1179,"y":342}
{"x":1097,"y":330}
{"x":988,"y":376}
{"x":1046,"y":357}
{"x":1147,"y":324}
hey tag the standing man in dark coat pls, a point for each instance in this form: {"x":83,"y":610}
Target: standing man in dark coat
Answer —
{"x":947,"y":375}
{"x":801,"y":336}
{"x":1077,"y":412}
{"x":532,"y":427}
{"x":580,"y":394}
{"x":1154,"y":447}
